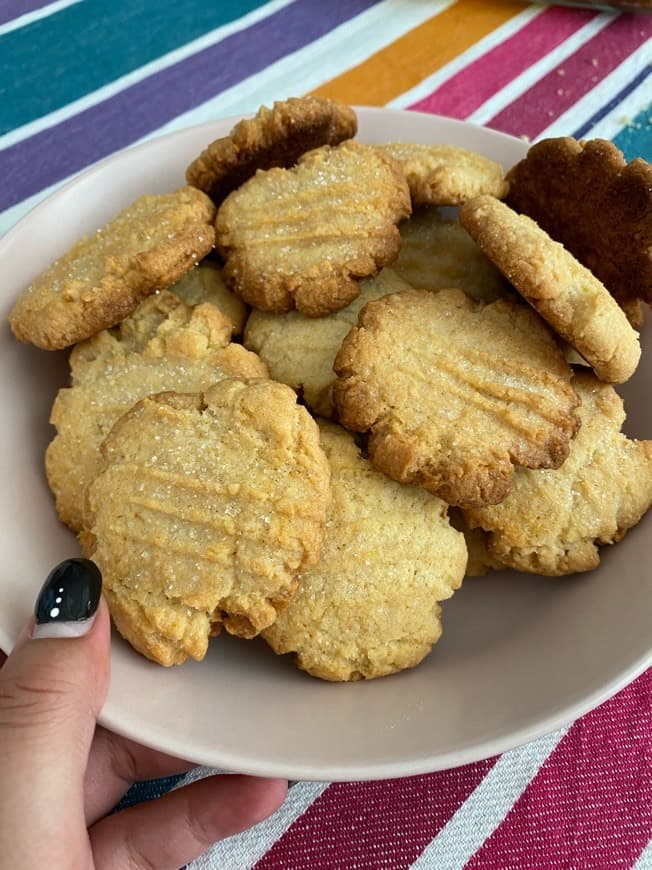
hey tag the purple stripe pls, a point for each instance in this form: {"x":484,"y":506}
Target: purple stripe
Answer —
{"x":10,"y":10}
{"x":60,"y":151}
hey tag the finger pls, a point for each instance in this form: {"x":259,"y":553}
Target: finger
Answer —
{"x":52,"y":688}
{"x":178,"y":827}
{"x":115,"y":764}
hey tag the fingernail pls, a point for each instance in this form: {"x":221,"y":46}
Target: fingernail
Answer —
{"x":69,"y":599}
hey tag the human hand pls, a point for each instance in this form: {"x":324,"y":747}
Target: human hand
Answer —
{"x":61,"y":773}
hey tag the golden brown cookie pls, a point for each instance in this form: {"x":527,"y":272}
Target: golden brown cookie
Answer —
{"x":446,"y":174}
{"x":369,"y":607}
{"x":274,"y":137}
{"x":206,"y":284}
{"x":560,"y":288}
{"x":479,"y":562}
{"x":301,"y":237}
{"x":598,"y":206}
{"x":103,"y":277}
{"x":553,"y":522}
{"x":164,"y":345}
{"x":438,"y":253}
{"x":207,"y":508}
{"x":455,"y":393}
{"x":300,"y":351}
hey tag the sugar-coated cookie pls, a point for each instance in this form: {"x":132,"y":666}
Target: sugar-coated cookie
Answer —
{"x":103,"y":277}
{"x":302,"y":237}
{"x":455,"y":393}
{"x":300,"y":351}
{"x":369,"y":607}
{"x":206,"y":284}
{"x":438,"y":252}
{"x":164,"y":345}
{"x":446,"y":174}
{"x":274,"y":137}
{"x":207,"y":508}
{"x":553,"y":522}
{"x":561,"y":289}
{"x":479,"y":562}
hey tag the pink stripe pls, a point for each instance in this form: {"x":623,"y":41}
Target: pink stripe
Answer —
{"x":590,"y":805}
{"x":461,"y":95}
{"x":368,"y":825}
{"x":552,"y":95}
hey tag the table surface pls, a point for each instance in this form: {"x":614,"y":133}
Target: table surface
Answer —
{"x":81,"y":80}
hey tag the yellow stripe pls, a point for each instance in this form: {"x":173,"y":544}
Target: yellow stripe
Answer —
{"x":420,"y":52}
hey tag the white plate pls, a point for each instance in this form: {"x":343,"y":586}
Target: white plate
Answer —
{"x":520,"y":655}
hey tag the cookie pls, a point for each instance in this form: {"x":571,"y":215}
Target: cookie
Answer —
{"x":562,"y":290}
{"x":302,"y":237}
{"x":445,"y":174}
{"x":553,"y":522}
{"x":164,"y":345}
{"x":598,"y":206}
{"x":103,"y":277}
{"x":274,"y":137}
{"x":206,"y":284}
{"x":208,"y":507}
{"x":300,"y":351}
{"x":438,"y":253}
{"x":455,"y":393}
{"x":369,"y":607}
{"x":479,"y":562}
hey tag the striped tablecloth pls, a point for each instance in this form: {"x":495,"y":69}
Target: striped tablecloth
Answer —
{"x":80,"y":80}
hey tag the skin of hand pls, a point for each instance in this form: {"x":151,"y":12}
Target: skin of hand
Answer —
{"x":62,"y":773}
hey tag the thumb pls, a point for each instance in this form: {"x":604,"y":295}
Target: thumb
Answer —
{"x":52,"y":688}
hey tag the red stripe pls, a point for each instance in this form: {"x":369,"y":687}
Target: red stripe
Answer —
{"x":590,"y":805}
{"x":368,"y":825}
{"x":552,"y":95}
{"x":461,"y":94}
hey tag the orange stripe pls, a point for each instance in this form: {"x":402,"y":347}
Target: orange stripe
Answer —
{"x":420,"y":52}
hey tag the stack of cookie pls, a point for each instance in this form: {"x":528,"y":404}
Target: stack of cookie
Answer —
{"x":269,"y":442}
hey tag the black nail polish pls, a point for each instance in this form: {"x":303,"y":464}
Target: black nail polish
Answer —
{"x":71,"y":592}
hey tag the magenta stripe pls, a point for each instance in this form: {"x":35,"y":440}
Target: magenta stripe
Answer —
{"x":59,"y":151}
{"x":461,"y":94}
{"x":15,"y":8}
{"x":590,"y":805}
{"x":552,"y":95}
{"x":368,"y":825}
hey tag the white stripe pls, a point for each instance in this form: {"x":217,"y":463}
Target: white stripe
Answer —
{"x":601,"y":94}
{"x":148,"y":69}
{"x":487,"y":806}
{"x":645,"y":860}
{"x":538,"y":70}
{"x":36,"y":15}
{"x":348,"y":45}
{"x":490,"y":41}
{"x":244,"y":850}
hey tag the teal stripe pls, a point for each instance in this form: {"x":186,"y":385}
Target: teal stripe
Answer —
{"x":58,"y":59}
{"x":635,"y":140}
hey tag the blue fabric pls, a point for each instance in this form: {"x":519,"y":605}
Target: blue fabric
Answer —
{"x":148,"y":790}
{"x":635,"y":140}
